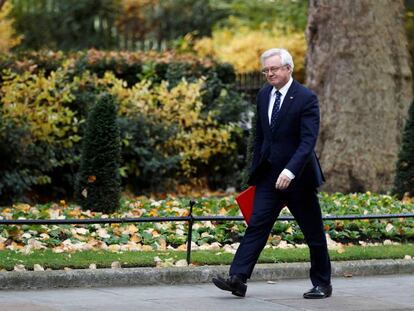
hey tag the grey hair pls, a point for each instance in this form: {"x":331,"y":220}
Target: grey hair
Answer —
{"x":285,"y":56}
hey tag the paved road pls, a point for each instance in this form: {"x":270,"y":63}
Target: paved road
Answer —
{"x":378,"y":293}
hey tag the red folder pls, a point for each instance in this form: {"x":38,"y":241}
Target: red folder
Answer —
{"x":245,"y":201}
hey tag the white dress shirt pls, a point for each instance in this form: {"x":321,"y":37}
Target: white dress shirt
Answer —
{"x":272,"y":99}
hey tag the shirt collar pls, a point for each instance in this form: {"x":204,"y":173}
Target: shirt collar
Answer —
{"x":284,"y":89}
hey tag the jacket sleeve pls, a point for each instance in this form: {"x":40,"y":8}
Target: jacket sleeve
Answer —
{"x":309,"y":129}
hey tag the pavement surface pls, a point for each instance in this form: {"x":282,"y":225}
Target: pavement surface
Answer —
{"x":369,"y":293}
{"x":189,"y":275}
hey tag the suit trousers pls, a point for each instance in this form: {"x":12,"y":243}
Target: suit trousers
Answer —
{"x":303,"y":204}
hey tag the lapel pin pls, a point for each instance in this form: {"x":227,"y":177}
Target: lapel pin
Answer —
{"x":291,"y":97}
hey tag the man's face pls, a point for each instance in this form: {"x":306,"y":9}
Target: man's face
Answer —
{"x":276,"y":74}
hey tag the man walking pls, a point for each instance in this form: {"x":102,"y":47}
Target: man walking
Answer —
{"x":286,"y":171}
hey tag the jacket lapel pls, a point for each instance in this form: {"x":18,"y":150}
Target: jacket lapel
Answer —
{"x":287,"y":103}
{"x":265,"y":111}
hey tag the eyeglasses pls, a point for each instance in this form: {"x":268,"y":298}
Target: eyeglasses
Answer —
{"x":272,"y":70}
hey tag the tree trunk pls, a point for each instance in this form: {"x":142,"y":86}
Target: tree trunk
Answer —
{"x":359,"y":66}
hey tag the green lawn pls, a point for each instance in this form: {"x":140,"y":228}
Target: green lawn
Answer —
{"x":103,"y":259}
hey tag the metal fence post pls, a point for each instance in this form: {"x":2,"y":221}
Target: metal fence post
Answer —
{"x":190,"y":231}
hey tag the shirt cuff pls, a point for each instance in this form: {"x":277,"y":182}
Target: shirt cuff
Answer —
{"x":288,"y":173}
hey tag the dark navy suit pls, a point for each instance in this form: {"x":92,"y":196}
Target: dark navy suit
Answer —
{"x":290,"y":145}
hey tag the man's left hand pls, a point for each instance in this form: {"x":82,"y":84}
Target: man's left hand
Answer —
{"x":282,"y":182}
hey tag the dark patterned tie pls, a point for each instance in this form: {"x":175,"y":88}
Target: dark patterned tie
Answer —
{"x":275,"y":111}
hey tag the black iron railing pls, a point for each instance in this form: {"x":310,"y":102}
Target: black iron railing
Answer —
{"x":191,"y":219}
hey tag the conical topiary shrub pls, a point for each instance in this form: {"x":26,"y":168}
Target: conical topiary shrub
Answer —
{"x":404,"y":178}
{"x":98,"y":182}
{"x":249,"y":153}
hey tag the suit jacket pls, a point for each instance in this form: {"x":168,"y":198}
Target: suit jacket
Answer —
{"x":291,"y":144}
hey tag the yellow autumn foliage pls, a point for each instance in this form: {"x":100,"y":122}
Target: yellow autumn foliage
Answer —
{"x":197,"y":138}
{"x":242,"y":46}
{"x":39,"y":102}
{"x":7,"y":34}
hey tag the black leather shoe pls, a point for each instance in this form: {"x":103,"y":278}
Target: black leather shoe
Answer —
{"x":233,"y":284}
{"x":318,"y":292}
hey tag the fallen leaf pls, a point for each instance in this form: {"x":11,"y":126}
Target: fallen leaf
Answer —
{"x":147,"y":248}
{"x":341,"y":250}
{"x":116,"y":265}
{"x":289,"y":230}
{"x":389,"y":227}
{"x":162,"y":244}
{"x":135,"y":238}
{"x":102,"y":233}
{"x":54,"y":213}
{"x":114,"y":248}
{"x":37,"y":267}
{"x":181,"y":263}
{"x":81,"y":231}
{"x":74,"y":213}
{"x":131,"y":229}
{"x":182,"y":247}
{"x":19,"y":268}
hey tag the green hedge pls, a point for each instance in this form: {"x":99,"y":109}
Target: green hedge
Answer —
{"x":44,"y":168}
{"x":404,"y":177}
